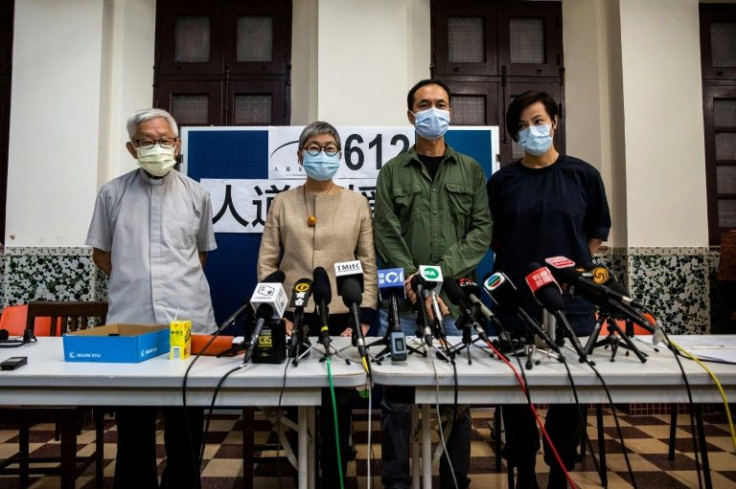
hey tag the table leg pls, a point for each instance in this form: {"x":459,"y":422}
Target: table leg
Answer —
{"x":414,"y":441}
{"x":312,"y":463}
{"x":302,"y":459}
{"x":427,"y":447}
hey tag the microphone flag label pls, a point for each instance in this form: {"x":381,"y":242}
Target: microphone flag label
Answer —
{"x":539,"y":278}
{"x":391,"y":277}
{"x":494,"y":281}
{"x":348,"y":268}
{"x":601,"y":275}
{"x":430,"y":273}
{"x":560,"y":262}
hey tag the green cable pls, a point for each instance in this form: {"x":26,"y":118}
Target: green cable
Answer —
{"x":334,"y":416}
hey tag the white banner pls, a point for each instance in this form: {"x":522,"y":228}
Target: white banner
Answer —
{"x":364,"y":150}
{"x":241,"y":206}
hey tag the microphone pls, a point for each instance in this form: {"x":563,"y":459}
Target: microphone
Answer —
{"x":322,"y":297}
{"x":602,"y":276}
{"x":472,"y":292}
{"x":432,"y":276}
{"x":269,"y":303}
{"x":457,"y":297}
{"x":300,"y":295}
{"x":352,"y":297}
{"x":417,"y":285}
{"x":547,"y":293}
{"x":391,"y":287}
{"x":582,"y":284}
{"x":504,"y":292}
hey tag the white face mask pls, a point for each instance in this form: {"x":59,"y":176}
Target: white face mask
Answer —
{"x":156,"y":161}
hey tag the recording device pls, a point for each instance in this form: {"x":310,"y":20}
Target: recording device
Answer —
{"x":300,"y":295}
{"x":391,"y":287}
{"x":547,"y":293}
{"x":269,"y":303}
{"x":457,"y":297}
{"x":472,"y":292}
{"x":13,"y":363}
{"x":504,"y":292}
{"x":345,"y":269}
{"x":322,"y":292}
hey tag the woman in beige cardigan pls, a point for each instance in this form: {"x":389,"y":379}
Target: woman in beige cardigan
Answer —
{"x":314,"y":225}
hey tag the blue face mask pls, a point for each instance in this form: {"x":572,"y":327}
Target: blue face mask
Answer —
{"x":432,"y":123}
{"x":321,"y":167}
{"x":536,"y":140}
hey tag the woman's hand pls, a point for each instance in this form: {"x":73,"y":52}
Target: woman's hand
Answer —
{"x":349,"y":331}
{"x":288,"y":327}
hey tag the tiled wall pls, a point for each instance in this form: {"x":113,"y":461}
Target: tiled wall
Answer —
{"x":678,"y":284}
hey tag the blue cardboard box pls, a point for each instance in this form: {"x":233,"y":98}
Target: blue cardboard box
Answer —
{"x":117,"y":343}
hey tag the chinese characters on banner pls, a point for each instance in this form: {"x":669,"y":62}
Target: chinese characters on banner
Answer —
{"x":241,"y":206}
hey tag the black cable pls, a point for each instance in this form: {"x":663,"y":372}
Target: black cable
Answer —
{"x":582,"y":418}
{"x":212,"y":407}
{"x":278,"y":425}
{"x":615,"y":419}
{"x":696,"y":451}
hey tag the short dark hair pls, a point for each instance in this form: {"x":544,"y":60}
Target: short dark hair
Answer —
{"x":513,"y":113}
{"x":420,"y":84}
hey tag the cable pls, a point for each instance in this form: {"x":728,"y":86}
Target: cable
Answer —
{"x":439,"y":421}
{"x":278,"y":425}
{"x":212,"y":407}
{"x":715,"y":380}
{"x":521,"y":379}
{"x":334,"y":415}
{"x":370,"y":429}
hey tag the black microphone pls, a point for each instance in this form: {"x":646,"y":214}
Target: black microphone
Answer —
{"x":581,"y":283}
{"x":300,"y":295}
{"x":277,"y":276}
{"x":603,"y":276}
{"x":322,"y":297}
{"x":547,"y":293}
{"x":472,"y":292}
{"x":457,"y":297}
{"x":503,"y":291}
{"x":417,"y":285}
{"x":352,"y":297}
{"x":269,"y":301}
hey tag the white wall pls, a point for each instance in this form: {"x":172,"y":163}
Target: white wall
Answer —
{"x":127,"y":79}
{"x":370,"y":54}
{"x":54,"y":122}
{"x":665,"y":155}
{"x":304,"y":61}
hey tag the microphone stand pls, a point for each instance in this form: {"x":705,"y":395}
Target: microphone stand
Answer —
{"x":613,"y":340}
{"x":553,"y":350}
{"x":444,"y":351}
{"x":299,"y":345}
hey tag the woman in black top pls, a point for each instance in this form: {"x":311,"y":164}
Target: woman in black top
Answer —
{"x":545,"y":204}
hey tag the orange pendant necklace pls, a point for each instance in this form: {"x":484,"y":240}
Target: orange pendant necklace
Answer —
{"x":311,"y":218}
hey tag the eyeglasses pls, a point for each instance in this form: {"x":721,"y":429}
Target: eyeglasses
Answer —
{"x":314,"y":149}
{"x":163,"y":142}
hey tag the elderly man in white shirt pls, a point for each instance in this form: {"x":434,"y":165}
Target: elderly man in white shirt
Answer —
{"x":150,"y":233}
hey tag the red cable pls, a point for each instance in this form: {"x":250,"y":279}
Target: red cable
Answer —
{"x":534,"y":411}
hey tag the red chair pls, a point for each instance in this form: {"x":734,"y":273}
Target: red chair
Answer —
{"x":53,"y":319}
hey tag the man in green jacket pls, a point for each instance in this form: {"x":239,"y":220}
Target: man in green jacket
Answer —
{"x":431,"y":209}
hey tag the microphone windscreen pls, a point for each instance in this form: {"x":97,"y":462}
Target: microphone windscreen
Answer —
{"x":275,"y":277}
{"x":566,"y":276}
{"x":453,"y":291}
{"x":550,"y":298}
{"x":321,"y":288}
{"x":264,"y":311}
{"x":350,"y":292}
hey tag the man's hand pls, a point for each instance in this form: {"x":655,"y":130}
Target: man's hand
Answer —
{"x":103,"y":260}
{"x":407,"y":288}
{"x":430,"y":310}
{"x":349,"y":331}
